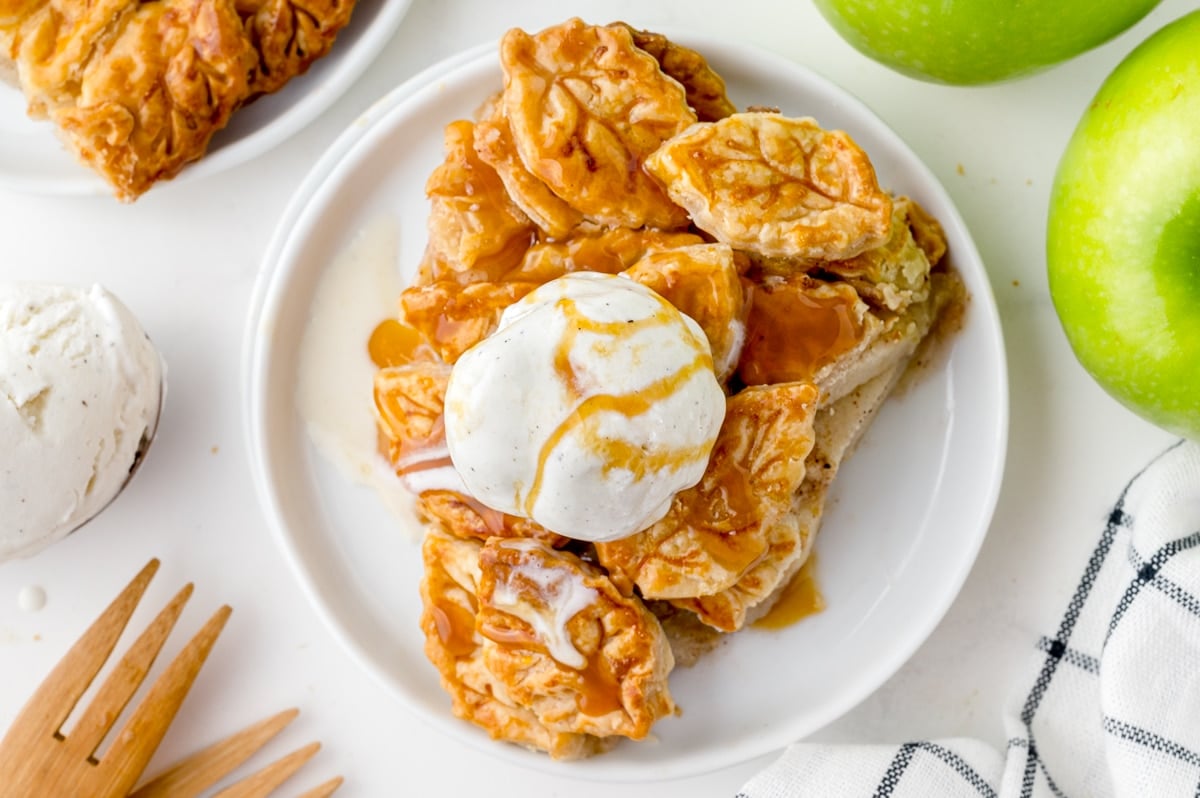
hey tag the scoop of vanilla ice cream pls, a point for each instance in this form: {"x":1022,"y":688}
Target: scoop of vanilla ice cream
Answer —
{"x":592,"y":404}
{"x":80,"y":387}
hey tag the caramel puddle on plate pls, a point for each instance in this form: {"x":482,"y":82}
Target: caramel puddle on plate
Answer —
{"x":801,"y":597}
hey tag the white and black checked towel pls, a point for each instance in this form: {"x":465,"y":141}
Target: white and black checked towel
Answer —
{"x":1110,"y":705}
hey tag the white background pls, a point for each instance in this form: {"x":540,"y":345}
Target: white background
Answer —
{"x":185,"y":258}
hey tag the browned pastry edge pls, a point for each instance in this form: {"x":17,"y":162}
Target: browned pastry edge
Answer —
{"x":289,"y":36}
{"x":141,"y":98}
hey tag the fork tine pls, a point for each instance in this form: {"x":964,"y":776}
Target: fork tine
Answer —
{"x":138,"y":739}
{"x":264,"y":782}
{"x":52,"y":702}
{"x":123,"y":682}
{"x":324,"y":790}
{"x":196,"y":773}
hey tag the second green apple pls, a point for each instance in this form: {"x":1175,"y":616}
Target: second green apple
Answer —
{"x":1123,"y":231}
{"x":978,"y":41}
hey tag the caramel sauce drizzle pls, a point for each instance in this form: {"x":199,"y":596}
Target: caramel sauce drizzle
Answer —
{"x":793,"y":334}
{"x":393,"y":343}
{"x":493,"y":520}
{"x":455,"y":627}
{"x":598,"y":689}
{"x":396,"y":445}
{"x":800,"y":598}
{"x":426,"y":465}
{"x":729,"y":550}
{"x":615,"y":453}
{"x":455,"y":623}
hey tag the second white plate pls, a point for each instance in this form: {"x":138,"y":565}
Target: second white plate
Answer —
{"x":904,"y":524}
{"x":32,"y":160}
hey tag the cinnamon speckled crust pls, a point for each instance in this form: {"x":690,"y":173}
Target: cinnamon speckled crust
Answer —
{"x":776,"y":186}
{"x":153,"y":91}
{"x":586,"y":107}
{"x":288,"y":36}
{"x":705,"y":89}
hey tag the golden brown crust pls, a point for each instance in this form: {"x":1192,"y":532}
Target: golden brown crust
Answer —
{"x":716,"y":531}
{"x":608,"y":251}
{"x":449,"y":589}
{"x":153,"y":92}
{"x":453,"y":317}
{"x":138,"y":89}
{"x":408,"y":409}
{"x":895,"y":274}
{"x":494,"y":146}
{"x":474,"y":226}
{"x":586,"y":107}
{"x":288,"y":36}
{"x":926,"y":230}
{"x":702,"y":282}
{"x":477,"y":601}
{"x":585,"y":658}
{"x":705,"y":89}
{"x":52,"y":41}
{"x":776,"y":186}
{"x":465,"y":517}
{"x":815,"y":295}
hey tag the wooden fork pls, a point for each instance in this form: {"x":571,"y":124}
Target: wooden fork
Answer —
{"x":37,"y":759}
{"x":191,"y":776}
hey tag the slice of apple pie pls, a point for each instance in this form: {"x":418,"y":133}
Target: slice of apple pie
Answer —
{"x":812,"y":286}
{"x":137,"y":89}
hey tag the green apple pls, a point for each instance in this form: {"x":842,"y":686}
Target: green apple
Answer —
{"x":978,"y":41}
{"x":1123,"y":233}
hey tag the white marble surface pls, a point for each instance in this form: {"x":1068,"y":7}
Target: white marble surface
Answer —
{"x":185,"y":257}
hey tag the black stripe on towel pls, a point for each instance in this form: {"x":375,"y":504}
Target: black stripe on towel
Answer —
{"x":1155,"y":742}
{"x":895,"y":770}
{"x":1085,"y":662}
{"x":1146,"y":573}
{"x":960,"y":766}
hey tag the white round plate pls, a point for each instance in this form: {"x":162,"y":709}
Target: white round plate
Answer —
{"x":903,"y":527}
{"x":33,"y":161}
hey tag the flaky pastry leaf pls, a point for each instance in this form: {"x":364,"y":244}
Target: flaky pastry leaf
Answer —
{"x":776,"y":186}
{"x":718,"y":530}
{"x":705,"y":89}
{"x":585,"y":658}
{"x":585,"y":107}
